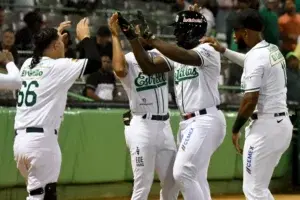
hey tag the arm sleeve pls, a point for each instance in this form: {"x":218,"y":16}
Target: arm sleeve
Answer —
{"x":92,"y":82}
{"x":93,"y":57}
{"x":12,"y":80}
{"x":237,"y":58}
{"x":253,"y":75}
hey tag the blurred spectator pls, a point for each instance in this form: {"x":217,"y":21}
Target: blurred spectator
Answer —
{"x":225,"y":8}
{"x":2,"y":25}
{"x":103,"y":40}
{"x":34,"y":22}
{"x":270,"y":18}
{"x":289,"y":26}
{"x":293,"y":77}
{"x":8,"y":43}
{"x":69,"y":52}
{"x":101,"y":85}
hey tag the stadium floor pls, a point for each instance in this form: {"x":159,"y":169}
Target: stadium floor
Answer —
{"x":277,"y":197}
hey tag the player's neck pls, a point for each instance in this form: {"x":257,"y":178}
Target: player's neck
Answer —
{"x":256,"y":39}
{"x":50,"y":54}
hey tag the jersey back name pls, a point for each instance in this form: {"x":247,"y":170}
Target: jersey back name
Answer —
{"x":42,"y":98}
{"x":146,"y":94}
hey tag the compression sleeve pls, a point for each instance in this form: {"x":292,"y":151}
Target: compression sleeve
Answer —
{"x":12,"y":80}
{"x":235,"y":57}
{"x":94,"y":59}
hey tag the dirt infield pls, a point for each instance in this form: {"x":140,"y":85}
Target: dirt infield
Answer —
{"x":277,"y":197}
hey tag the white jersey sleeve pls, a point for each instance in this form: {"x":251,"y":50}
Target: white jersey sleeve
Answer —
{"x":207,"y":54}
{"x":12,"y":80}
{"x":253,"y":73}
{"x":67,"y":70}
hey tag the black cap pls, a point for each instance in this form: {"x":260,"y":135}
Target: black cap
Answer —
{"x":248,"y":19}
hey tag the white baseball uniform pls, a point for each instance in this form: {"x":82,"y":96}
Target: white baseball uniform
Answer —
{"x":11,"y":80}
{"x":40,"y":108}
{"x":196,"y":89}
{"x":151,"y":142}
{"x":269,"y":136}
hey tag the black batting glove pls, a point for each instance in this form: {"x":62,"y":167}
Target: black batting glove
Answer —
{"x":126,"y":27}
{"x":146,"y":33}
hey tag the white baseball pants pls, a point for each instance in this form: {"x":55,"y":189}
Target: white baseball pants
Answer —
{"x":38,"y":159}
{"x":199,"y":138}
{"x":267,"y":138}
{"x":152,"y":147}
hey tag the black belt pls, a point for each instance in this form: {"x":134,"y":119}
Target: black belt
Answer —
{"x":158,"y":117}
{"x":35,"y":130}
{"x":254,"y":116}
{"x":201,"y":112}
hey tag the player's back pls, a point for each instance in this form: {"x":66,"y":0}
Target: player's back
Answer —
{"x":271,"y":63}
{"x":42,"y":98}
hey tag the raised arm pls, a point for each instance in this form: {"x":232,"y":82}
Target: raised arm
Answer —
{"x":89,"y":47}
{"x":149,"y":65}
{"x":12,"y":80}
{"x":176,"y":53}
{"x":118,"y":61}
{"x":238,"y":58}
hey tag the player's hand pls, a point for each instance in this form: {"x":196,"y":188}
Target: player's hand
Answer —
{"x":113,"y":25}
{"x":82,"y":29}
{"x":214,"y":43}
{"x":145,"y":31}
{"x":63,"y":26}
{"x":6,"y":57}
{"x":235,"y":141}
{"x":195,"y":8}
{"x":126,"y":27}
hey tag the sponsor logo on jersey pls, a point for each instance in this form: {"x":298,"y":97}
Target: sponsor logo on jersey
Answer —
{"x":249,"y":159}
{"x":185,"y":74}
{"x":145,"y":82}
{"x":32,"y":73}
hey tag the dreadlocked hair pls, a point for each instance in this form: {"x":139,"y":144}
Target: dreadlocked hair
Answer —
{"x":42,"y":40}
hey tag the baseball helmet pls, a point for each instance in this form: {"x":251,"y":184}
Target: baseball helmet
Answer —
{"x":190,"y":26}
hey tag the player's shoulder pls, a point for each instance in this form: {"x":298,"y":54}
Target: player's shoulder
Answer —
{"x":206,"y":50}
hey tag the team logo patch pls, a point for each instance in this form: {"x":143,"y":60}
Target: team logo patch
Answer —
{"x":249,"y":159}
{"x":144,"y":82}
{"x":185,"y":73}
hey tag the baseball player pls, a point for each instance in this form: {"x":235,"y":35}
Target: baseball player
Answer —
{"x":148,"y":135}
{"x":46,"y":79}
{"x":12,"y":80}
{"x":264,"y":83}
{"x":196,"y":71}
